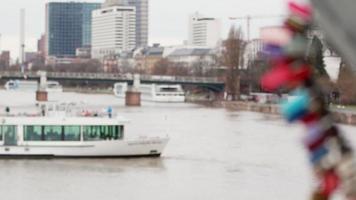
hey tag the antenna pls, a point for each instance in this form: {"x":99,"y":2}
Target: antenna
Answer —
{"x":22,"y":39}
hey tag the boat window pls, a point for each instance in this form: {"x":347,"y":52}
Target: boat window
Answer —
{"x":96,"y":133}
{"x":33,"y":133}
{"x":168,"y":89}
{"x":72,"y":133}
{"x":10,"y":135}
{"x":119,"y":132}
{"x":9,"y":130}
{"x":52,"y":133}
{"x":91,"y":133}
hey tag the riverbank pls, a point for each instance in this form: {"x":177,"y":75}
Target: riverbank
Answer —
{"x":342,"y":117}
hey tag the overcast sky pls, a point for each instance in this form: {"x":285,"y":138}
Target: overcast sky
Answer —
{"x":168,"y":18}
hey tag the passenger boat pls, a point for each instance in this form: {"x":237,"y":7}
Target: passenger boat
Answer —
{"x":154,"y":92}
{"x":73,"y":137}
{"x":53,"y":86}
{"x":21,"y":85}
{"x":31,"y":86}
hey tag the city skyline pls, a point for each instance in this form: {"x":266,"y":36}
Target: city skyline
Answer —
{"x":168,"y":20}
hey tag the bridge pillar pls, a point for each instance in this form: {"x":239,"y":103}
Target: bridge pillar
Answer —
{"x":133,"y":98}
{"x":41,"y":93}
{"x":133,"y":95}
{"x":41,"y":96}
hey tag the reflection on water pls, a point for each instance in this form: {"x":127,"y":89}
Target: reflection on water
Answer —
{"x":88,"y":165}
{"x":213,"y":154}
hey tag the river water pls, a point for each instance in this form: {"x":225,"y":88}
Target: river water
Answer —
{"x":213,"y":154}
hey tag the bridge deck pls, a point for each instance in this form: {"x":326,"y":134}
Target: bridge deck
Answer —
{"x":114,"y":77}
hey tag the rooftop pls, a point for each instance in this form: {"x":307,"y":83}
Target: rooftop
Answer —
{"x":191,"y":52}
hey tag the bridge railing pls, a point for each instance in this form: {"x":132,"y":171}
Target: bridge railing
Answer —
{"x":113,"y":76}
{"x":180,"y":79}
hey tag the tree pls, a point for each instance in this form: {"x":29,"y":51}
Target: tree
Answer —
{"x":233,"y":50}
{"x":177,"y":69}
{"x":199,"y":65}
{"x":255,"y":70}
{"x":316,"y":57}
{"x":161,"y":67}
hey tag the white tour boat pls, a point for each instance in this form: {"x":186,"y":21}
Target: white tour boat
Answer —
{"x":21,"y":85}
{"x":154,"y":92}
{"x":31,"y":86}
{"x":73,"y":137}
{"x":53,"y":86}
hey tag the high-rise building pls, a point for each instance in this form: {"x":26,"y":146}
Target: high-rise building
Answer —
{"x":113,"y":31}
{"x":68,"y":27}
{"x":5,"y":59}
{"x":41,"y":46}
{"x":141,"y":17}
{"x":31,"y":56}
{"x":204,"y":31}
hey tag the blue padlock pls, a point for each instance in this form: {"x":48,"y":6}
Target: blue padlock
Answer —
{"x":297,"y":106}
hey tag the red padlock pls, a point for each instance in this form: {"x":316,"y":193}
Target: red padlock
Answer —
{"x":311,"y":118}
{"x":285,"y":75}
{"x":330,"y":183}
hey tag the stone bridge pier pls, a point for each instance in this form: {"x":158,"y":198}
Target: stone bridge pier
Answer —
{"x":133,"y":95}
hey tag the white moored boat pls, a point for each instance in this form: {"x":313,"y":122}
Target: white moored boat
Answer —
{"x":154,"y":92}
{"x":21,"y":85}
{"x":73,"y":137}
{"x":31,"y":86}
{"x":53,"y":86}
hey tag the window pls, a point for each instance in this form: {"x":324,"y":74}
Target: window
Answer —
{"x":33,"y":133}
{"x":52,"y":133}
{"x":10,"y":135}
{"x":91,"y":133}
{"x":118,"y":132}
{"x":72,"y":133}
{"x":96,"y":133}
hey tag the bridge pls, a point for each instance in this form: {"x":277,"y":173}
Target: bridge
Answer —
{"x":213,"y":84}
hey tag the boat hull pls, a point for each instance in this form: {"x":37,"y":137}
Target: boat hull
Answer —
{"x":165,"y":99}
{"x":100,"y":149}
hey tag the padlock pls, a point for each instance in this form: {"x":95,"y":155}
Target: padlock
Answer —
{"x":296,"y":107}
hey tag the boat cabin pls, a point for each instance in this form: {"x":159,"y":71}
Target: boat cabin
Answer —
{"x":38,"y":130}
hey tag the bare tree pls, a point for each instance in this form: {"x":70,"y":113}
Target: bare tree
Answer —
{"x":177,"y":69}
{"x":255,"y":70}
{"x":233,"y":50}
{"x":161,"y":67}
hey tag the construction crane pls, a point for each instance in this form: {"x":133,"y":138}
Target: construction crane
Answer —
{"x":248,"y":19}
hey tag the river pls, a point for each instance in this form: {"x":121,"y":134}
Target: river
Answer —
{"x":213,"y":154}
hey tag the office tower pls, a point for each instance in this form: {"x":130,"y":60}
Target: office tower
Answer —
{"x":41,"y":46}
{"x":68,"y":27}
{"x":141,"y":17}
{"x":113,"y":31}
{"x":204,"y":31}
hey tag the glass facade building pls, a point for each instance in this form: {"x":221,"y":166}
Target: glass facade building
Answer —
{"x":68,"y":27}
{"x":142,"y":21}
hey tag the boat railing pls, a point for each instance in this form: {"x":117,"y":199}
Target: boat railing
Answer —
{"x":69,"y":109}
{"x":82,"y":113}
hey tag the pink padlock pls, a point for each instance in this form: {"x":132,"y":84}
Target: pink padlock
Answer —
{"x":304,"y":11}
